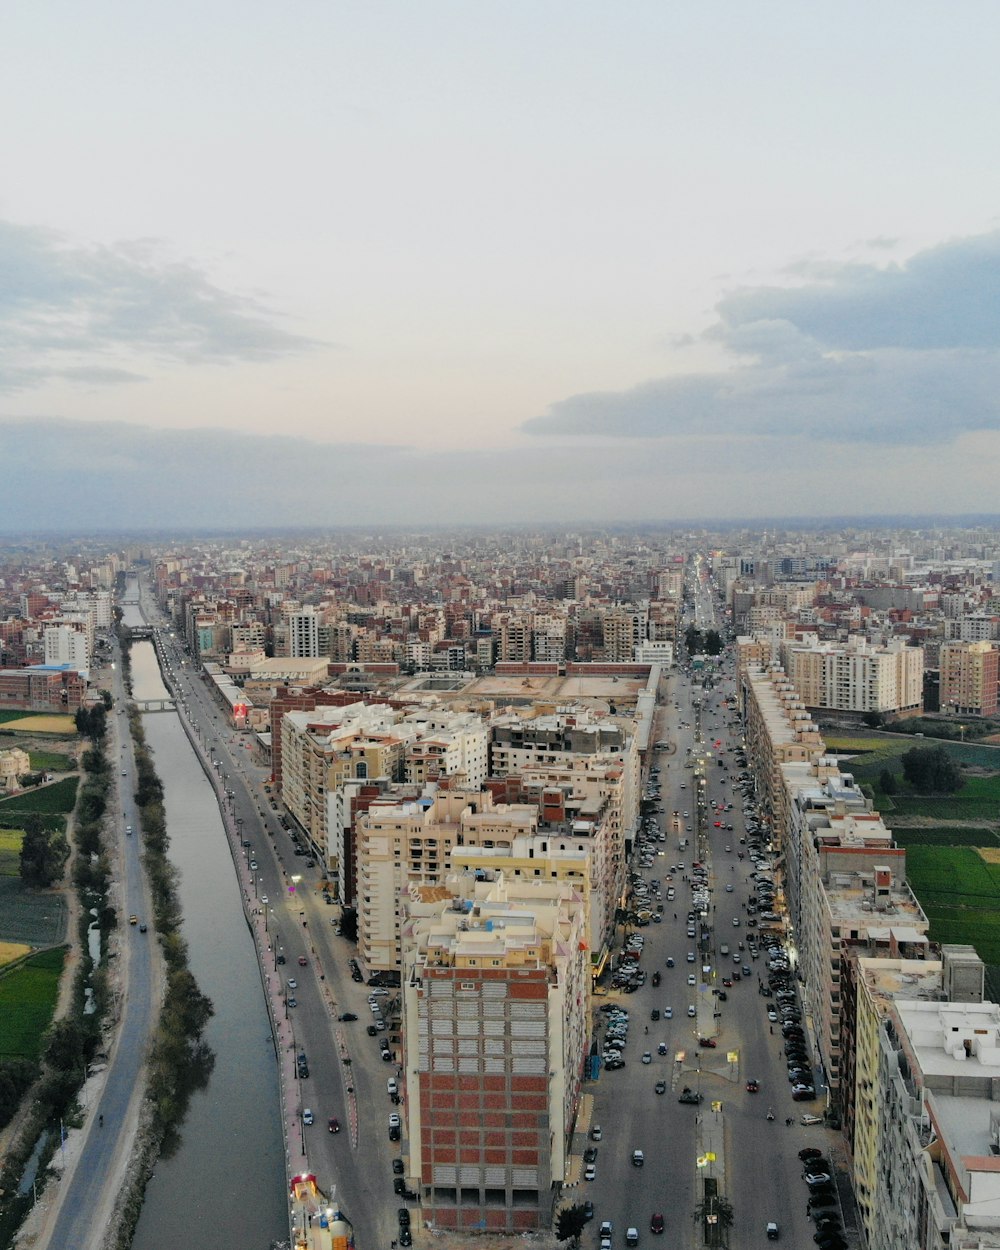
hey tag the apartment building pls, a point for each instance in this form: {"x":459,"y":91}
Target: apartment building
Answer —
{"x":302,"y":627}
{"x":871,"y":985}
{"x":937,"y":1183}
{"x":854,"y":892}
{"x":411,"y":841}
{"x":496,"y":1024}
{"x":858,"y":677}
{"x":42,"y":688}
{"x":970,"y":673}
{"x":67,"y":644}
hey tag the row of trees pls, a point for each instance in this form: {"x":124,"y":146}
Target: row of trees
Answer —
{"x":181,"y":1061}
{"x":714,"y":1213}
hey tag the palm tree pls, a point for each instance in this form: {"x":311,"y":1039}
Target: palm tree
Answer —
{"x":715,"y":1214}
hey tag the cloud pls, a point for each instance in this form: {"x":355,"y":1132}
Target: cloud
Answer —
{"x":902,"y":354}
{"x":62,"y":305}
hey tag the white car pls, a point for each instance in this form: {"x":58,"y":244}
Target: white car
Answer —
{"x":647,"y":1057}
{"x":690,"y":957}
{"x":591,"y":1172}
{"x":307,"y":1116}
{"x":691,"y":979}
{"x":668,"y":1013}
{"x":692,"y":1011}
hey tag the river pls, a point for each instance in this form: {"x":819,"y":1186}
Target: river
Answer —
{"x":225,"y":1185}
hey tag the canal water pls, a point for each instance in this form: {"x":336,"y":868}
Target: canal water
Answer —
{"x":225,"y":1185}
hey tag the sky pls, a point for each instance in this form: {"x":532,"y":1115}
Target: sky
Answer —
{"x":492,"y":261}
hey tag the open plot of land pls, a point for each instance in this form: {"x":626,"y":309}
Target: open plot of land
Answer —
{"x":27,"y":1000}
{"x":7,"y":718}
{"x":35,"y":723}
{"x":38,"y":918}
{"x":10,"y":852}
{"x":58,"y":797}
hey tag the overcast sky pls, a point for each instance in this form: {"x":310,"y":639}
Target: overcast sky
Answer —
{"x":551,"y":259}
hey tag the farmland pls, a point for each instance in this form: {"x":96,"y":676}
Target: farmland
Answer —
{"x":960,"y":893}
{"x":58,"y":798}
{"x":28,"y":995}
{"x":10,"y":852}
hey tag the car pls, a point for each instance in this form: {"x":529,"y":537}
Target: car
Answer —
{"x":647,"y":1057}
{"x":253,"y":865}
{"x":264,"y":899}
{"x":588,"y":1210}
{"x":670,"y":962}
{"x":403,"y":1216}
{"x":308,"y":1117}
{"x":391,"y":1087}
{"x":405,"y":1238}
{"x":668,"y":1013}
{"x":631,"y":1236}
{"x":590,"y":1154}
{"x":689,"y":1095}
{"x":280,"y":960}
{"x":133,"y":919}
{"x":590,"y":1172}
{"x":810,"y":1152}
{"x":654,"y":1014}
{"x":709,"y":1042}
{"x":333,"y":1125}
{"x":128,"y":831}
{"x":399,"y":1186}
{"x":302,"y":959}
{"x":660,"y":1087}
{"x":605,"y":1229}
{"x":820,"y":1178}
{"x":771,"y":1230}
{"x":805,"y":1094}
{"x":810,"y":1120}
{"x":292,"y":983}
{"x":690,"y":957}
{"x":753,"y":1087}
{"x":691,"y":979}
{"x":638,"y":1158}
{"x":398,"y":1167}
{"x":347,"y":1016}
{"x":692,"y":1010}
{"x":292,"y":1002}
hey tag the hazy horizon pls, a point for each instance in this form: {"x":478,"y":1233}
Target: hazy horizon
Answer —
{"x":447,"y":263}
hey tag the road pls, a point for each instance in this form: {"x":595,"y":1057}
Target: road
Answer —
{"x":81,"y":1204}
{"x":760,"y":1172}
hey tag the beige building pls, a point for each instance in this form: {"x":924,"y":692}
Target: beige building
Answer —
{"x":857,"y":677}
{"x":969,"y":675}
{"x":410,"y":842}
{"x":496,"y":1012}
{"x":14,"y":764}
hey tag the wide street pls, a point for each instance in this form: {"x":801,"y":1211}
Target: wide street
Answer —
{"x":759,"y":1170}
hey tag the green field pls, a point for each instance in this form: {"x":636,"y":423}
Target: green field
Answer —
{"x":28,"y":995}
{"x":51,"y":761}
{"x":37,"y":918}
{"x":10,"y":852}
{"x":59,"y":797}
{"x":960,"y":894}
{"x":7,"y":717}
{"x":934,"y":807}
{"x":946,"y":835}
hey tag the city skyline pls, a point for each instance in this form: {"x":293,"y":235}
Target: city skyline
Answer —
{"x":439,"y":265}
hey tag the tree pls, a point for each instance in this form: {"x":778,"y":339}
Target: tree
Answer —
{"x":692,"y":640}
{"x":887,"y":782}
{"x":570,"y":1223}
{"x":713,"y":642}
{"x":715,"y":1214}
{"x":874,"y":720}
{"x":931,"y":770}
{"x":43,"y":854}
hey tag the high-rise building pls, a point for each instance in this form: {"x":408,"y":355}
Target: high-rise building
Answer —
{"x":496,"y":1008}
{"x":970,"y":672}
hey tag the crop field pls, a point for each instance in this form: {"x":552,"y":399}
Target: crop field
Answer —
{"x":960,"y":893}
{"x":37,"y":723}
{"x":29,"y":916}
{"x":58,"y":797}
{"x":7,"y":718}
{"x":934,"y":807}
{"x":51,"y":761}
{"x":9,"y":951}
{"x":946,"y":835}
{"x":27,"y":1000}
{"x":10,"y":852}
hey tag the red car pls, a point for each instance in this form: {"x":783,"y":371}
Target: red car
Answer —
{"x":656,"y":1223}
{"x":303,"y":961}
{"x":710,"y":1042}
{"x":753,"y":1087}
{"x":333,"y":1125}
